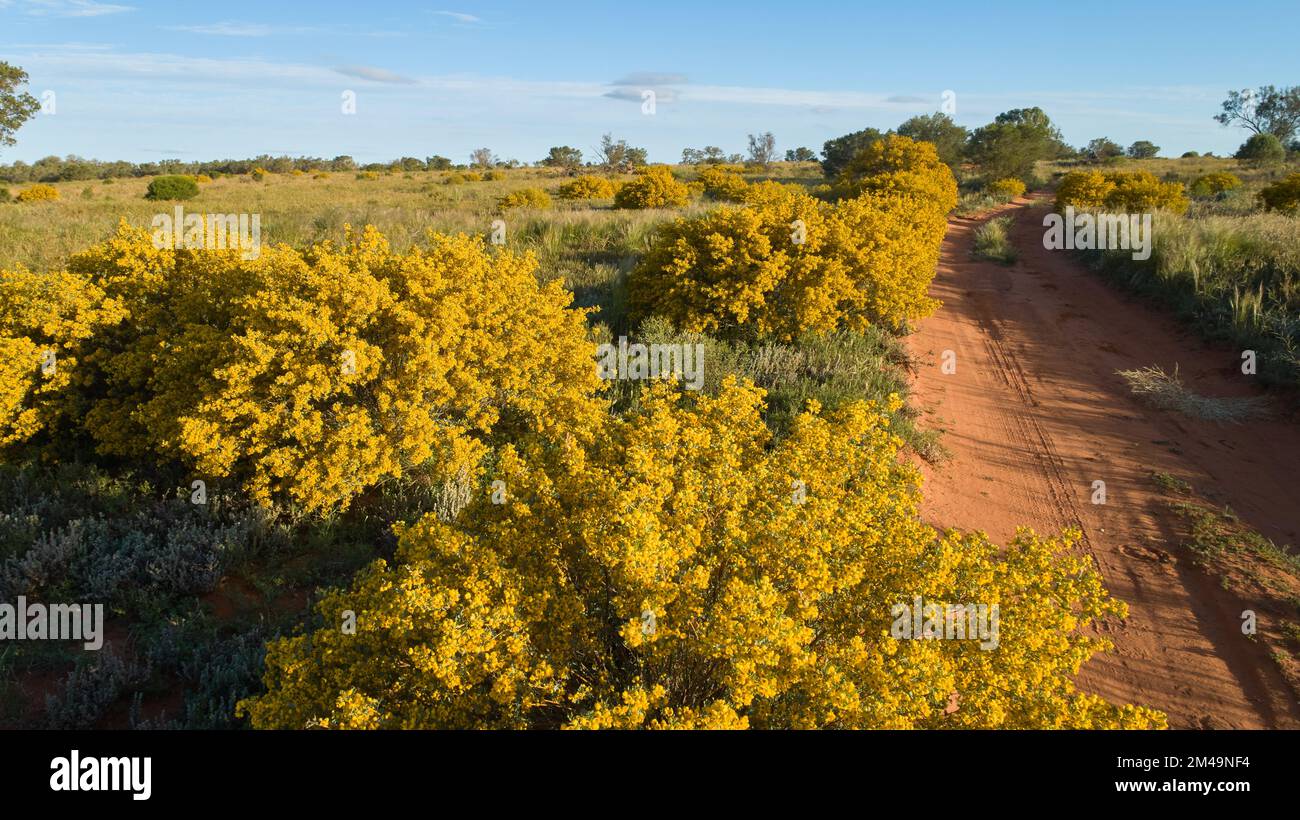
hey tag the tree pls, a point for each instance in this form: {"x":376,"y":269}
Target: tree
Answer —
{"x":1262,"y":149}
{"x":762,"y":148}
{"x":562,"y":156}
{"x":837,"y":152}
{"x":618,"y":156}
{"x":482,"y":158}
{"x":948,"y":137}
{"x":16,"y":107}
{"x":1102,"y":149}
{"x":656,"y":579}
{"x":437,"y":163}
{"x":1267,"y":110}
{"x":1143,"y":149}
{"x":800,"y":155}
{"x":1014,"y":142}
{"x":710,"y":155}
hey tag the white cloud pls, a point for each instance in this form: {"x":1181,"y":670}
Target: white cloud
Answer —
{"x":375,"y":75}
{"x":226,"y":29}
{"x":68,"y":8}
{"x":460,"y":17}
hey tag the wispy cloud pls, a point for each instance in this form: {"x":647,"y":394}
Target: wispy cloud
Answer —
{"x":460,"y":17}
{"x":66,"y":8}
{"x":375,"y":75}
{"x":226,"y":29}
{"x":645,"y":79}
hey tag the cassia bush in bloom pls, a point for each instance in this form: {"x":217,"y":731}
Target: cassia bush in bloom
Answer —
{"x":312,"y":375}
{"x":1119,"y":192}
{"x":788,"y":263}
{"x":44,"y":320}
{"x":533,"y":198}
{"x":722,"y":185}
{"x":673,"y":575}
{"x":1213,"y":184}
{"x":900,"y":165}
{"x":653,"y":187}
{"x":587,"y":187}
{"x":1008,"y":188}
{"x":38,"y":193}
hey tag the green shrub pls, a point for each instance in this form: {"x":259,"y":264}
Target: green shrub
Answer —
{"x":1262,"y":149}
{"x":993,"y":241}
{"x":172,"y":187}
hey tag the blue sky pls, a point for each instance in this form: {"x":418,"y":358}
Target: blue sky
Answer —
{"x":143,"y":80}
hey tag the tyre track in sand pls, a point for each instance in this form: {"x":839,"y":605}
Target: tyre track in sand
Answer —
{"x":1034,"y":414}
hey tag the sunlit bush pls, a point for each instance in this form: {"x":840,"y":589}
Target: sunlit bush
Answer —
{"x":1119,"y":192}
{"x":533,"y":198}
{"x":787,"y":263}
{"x":1210,"y":185}
{"x":653,"y":187}
{"x":587,"y":187}
{"x":684,"y":571}
{"x":1008,"y":188}
{"x":725,"y":186}
{"x":900,"y":165}
{"x":309,"y":376}
{"x":38,"y":193}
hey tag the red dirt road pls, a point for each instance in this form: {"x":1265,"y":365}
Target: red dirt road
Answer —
{"x":1034,"y":414}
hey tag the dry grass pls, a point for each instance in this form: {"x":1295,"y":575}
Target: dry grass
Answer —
{"x":1163,"y":391}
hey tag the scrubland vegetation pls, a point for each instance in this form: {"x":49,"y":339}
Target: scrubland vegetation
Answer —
{"x":1226,"y":248}
{"x":370,"y":478}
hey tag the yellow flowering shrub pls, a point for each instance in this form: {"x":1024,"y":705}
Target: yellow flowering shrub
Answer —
{"x":654,"y":187}
{"x":534,"y":198}
{"x":1119,"y":192}
{"x":900,"y":165}
{"x":472,"y":176}
{"x":685,"y":571}
{"x":38,"y":193}
{"x":587,"y":187}
{"x":1213,"y":184}
{"x":259,"y":174}
{"x":1008,"y":188}
{"x":1283,"y":195}
{"x":788,"y":263}
{"x":726,"y":186}
{"x":44,"y":319}
{"x":312,"y":375}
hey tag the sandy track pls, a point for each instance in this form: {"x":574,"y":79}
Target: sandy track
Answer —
{"x":1035,"y":414}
